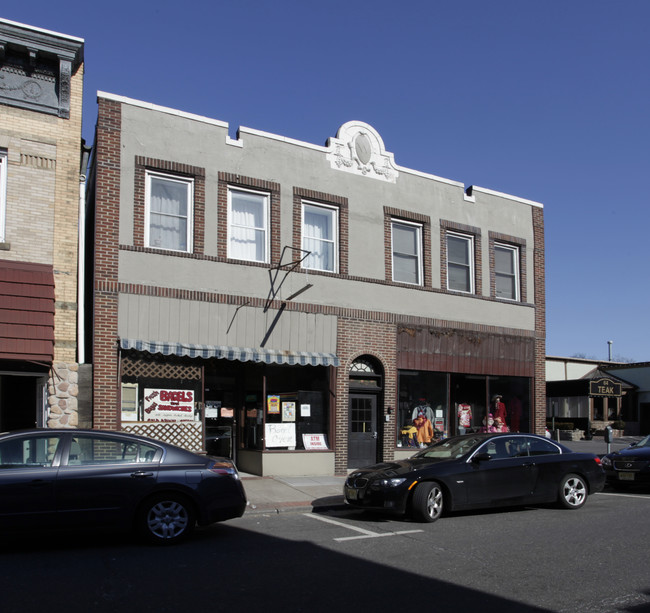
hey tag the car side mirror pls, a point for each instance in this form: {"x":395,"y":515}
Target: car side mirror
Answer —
{"x":481,"y":457}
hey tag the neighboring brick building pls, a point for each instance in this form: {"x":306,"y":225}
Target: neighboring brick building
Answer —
{"x":41,"y":83}
{"x":303,"y":302}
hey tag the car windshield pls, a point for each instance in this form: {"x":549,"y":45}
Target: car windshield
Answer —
{"x":644,"y":442}
{"x":450,"y":448}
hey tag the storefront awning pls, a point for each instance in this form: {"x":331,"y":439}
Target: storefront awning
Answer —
{"x":241,"y":354}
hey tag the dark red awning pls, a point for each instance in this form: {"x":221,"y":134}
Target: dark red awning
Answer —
{"x":26,"y":311}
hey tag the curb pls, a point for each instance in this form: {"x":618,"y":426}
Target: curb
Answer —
{"x":307,"y":506}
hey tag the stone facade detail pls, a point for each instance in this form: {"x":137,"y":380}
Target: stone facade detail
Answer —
{"x":63,"y":396}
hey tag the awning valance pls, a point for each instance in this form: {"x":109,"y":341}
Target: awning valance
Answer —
{"x":241,"y":354}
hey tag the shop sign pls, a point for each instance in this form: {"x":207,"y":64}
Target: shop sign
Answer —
{"x":280,"y":435}
{"x":604,"y":387}
{"x":168,"y":405}
{"x":315,"y":442}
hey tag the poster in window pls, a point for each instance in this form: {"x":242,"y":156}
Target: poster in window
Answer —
{"x":273,"y":405}
{"x":280,"y":435}
{"x":168,"y":405}
{"x":288,"y":411}
{"x":305,"y":410}
{"x":314,"y":442}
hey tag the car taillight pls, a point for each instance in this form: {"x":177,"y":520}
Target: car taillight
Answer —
{"x":224,"y":468}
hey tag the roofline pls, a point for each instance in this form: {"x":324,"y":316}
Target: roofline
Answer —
{"x":42,"y":30}
{"x":313,"y":147}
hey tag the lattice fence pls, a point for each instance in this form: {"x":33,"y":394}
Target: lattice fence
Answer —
{"x":154,"y":369}
{"x":185,"y":434}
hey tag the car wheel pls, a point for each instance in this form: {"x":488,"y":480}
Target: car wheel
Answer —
{"x":166,"y":519}
{"x":427,"y":502}
{"x":573,"y":492}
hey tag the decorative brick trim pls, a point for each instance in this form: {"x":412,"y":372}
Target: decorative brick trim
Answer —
{"x":451,"y":226}
{"x":520,"y":243}
{"x":339,"y":202}
{"x":229,"y":179}
{"x":391,"y":214}
{"x":142,"y":164}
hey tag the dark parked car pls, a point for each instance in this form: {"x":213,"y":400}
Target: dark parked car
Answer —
{"x":477,"y":471}
{"x":630,"y":465}
{"x":81,"y":478}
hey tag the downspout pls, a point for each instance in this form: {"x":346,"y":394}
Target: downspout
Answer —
{"x":81,"y":255}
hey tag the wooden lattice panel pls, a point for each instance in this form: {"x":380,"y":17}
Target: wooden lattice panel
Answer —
{"x":154,"y":369}
{"x":185,"y":434}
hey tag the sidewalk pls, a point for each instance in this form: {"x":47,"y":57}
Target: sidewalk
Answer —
{"x":285,"y":494}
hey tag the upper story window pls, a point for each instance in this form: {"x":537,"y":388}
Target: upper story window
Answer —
{"x":506,"y":271}
{"x":248,"y":225}
{"x":460,"y":262}
{"x":407,"y":252}
{"x":320,"y":236}
{"x":3,"y":192}
{"x":168,"y":212}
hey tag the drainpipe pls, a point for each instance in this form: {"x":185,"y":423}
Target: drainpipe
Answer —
{"x":81,"y":255}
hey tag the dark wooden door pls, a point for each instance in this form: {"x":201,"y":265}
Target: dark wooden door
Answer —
{"x":362,"y":439}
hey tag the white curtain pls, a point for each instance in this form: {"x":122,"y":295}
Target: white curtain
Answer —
{"x":318,"y":237}
{"x":247,"y":226}
{"x":168,"y":214}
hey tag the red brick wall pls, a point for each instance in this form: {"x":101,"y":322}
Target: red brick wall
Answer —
{"x":105,"y":349}
{"x":540,"y":321}
{"x":357,"y":338}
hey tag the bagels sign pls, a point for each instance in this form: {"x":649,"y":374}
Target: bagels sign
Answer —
{"x":168,"y":405}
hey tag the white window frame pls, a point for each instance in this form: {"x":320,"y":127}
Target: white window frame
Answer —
{"x":265,"y":226}
{"x":469,"y":240}
{"x":189,"y":184}
{"x":4,"y":160}
{"x":334,"y":241}
{"x":418,"y":230}
{"x":515,"y":254}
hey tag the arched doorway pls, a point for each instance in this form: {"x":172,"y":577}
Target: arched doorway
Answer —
{"x":365,"y":432}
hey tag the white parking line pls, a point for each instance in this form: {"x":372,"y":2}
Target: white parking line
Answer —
{"x":365,"y":534}
{"x":623,"y":495}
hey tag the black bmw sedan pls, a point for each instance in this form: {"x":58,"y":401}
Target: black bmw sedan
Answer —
{"x":477,"y":471}
{"x":630,"y":465}
{"x":88,"y":478}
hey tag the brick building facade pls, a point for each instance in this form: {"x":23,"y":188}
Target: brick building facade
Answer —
{"x":40,"y":159}
{"x":296,"y":306}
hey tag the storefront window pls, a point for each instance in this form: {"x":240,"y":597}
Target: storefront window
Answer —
{"x":422,"y":412}
{"x":459,"y":404}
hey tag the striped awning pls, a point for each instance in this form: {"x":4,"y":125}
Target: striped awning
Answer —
{"x":241,"y":354}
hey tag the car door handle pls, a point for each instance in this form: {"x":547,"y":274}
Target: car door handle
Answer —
{"x":39,"y":483}
{"x":141,"y":474}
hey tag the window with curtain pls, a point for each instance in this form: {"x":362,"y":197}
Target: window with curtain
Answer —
{"x":169,"y":212}
{"x":320,"y":236}
{"x":506,"y":271}
{"x":407,"y":252}
{"x":460,"y":262}
{"x":248,"y":215}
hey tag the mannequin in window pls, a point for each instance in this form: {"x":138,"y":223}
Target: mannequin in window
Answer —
{"x":464,"y":417}
{"x":422,"y":410}
{"x":499,"y":426}
{"x":425,"y":430}
{"x":409,"y":434}
{"x":499,"y":408}
{"x":489,"y":427}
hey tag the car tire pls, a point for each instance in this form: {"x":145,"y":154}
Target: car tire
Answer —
{"x":166,"y":519}
{"x":573,"y":492}
{"x":428,"y":501}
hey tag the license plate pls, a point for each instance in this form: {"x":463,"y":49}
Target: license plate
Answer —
{"x":626,"y":476}
{"x":351,"y":494}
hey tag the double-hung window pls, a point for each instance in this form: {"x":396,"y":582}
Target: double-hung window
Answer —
{"x":248,"y":225}
{"x":320,"y":236}
{"x":506,"y":271}
{"x":169,"y":212}
{"x":3,"y":193}
{"x":460,"y":262}
{"x":407,"y":252}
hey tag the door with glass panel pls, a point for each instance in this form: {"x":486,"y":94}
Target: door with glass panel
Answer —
{"x":362,"y":440}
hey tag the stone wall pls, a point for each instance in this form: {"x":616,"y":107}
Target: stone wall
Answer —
{"x":63,"y":396}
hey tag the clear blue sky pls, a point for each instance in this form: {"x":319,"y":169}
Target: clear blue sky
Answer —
{"x":546,"y":100}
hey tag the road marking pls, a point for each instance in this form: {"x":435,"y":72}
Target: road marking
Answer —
{"x":365,"y":534}
{"x":624,"y":495}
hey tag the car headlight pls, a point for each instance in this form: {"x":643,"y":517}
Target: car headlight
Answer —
{"x":389,"y":482}
{"x":606,"y":462}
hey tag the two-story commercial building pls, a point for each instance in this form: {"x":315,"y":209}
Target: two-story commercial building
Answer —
{"x":300,"y":306}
